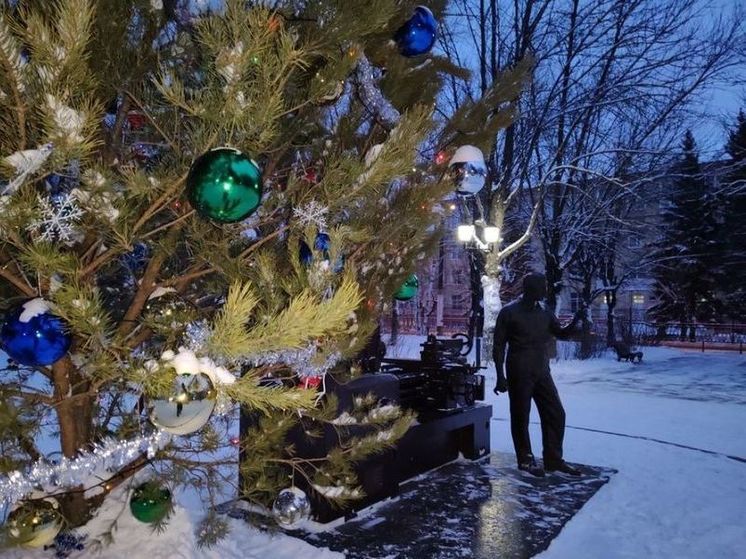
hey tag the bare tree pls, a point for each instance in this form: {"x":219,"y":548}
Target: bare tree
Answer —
{"x":614,"y":82}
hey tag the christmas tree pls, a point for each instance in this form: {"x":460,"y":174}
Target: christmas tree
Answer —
{"x":686,"y":268}
{"x":735,"y":222}
{"x":202,"y":211}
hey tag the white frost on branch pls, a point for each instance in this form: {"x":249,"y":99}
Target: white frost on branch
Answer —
{"x":336,"y":491}
{"x":160,"y":292}
{"x":69,"y":122}
{"x":185,"y":362}
{"x":101,"y":204}
{"x":344,"y":419}
{"x":229,"y":62}
{"x":26,"y":163}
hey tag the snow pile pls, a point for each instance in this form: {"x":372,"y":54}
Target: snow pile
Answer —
{"x":133,"y":539}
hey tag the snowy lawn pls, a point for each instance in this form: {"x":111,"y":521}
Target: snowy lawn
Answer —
{"x":666,"y":500}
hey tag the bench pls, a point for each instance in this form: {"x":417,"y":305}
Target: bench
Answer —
{"x":625,"y":353}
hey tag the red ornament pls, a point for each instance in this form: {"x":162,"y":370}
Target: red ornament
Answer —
{"x":136,"y":120}
{"x":440,"y":157}
{"x":311,"y":382}
{"x":274,"y":23}
{"x":311,"y":176}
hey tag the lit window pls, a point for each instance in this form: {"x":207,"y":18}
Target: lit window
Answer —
{"x":638,"y":299}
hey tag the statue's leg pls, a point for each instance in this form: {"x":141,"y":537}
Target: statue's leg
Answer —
{"x":552,"y":416}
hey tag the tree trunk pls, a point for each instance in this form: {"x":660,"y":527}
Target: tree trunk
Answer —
{"x":492,"y":305}
{"x":610,"y":307}
{"x":554,"y":282}
{"x":74,"y":410}
{"x":394,"y":324}
{"x":586,"y":338}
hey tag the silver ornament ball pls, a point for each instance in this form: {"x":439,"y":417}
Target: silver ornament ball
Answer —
{"x":291,"y":506}
{"x":468,"y":169}
{"x":189,"y":406}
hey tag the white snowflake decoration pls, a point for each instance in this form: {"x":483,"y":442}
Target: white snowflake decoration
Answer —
{"x":312,"y":213}
{"x":58,"y":220}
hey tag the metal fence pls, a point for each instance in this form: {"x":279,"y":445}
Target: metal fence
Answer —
{"x":408,"y":324}
{"x":726,"y":336}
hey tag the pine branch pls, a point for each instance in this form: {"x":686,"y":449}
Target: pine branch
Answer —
{"x":21,"y":285}
{"x":147,"y":285}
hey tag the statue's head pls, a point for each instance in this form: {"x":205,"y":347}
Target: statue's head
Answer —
{"x":534,"y":287}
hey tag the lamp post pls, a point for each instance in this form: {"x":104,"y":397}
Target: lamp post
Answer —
{"x":479,"y":239}
{"x":478,"y":235}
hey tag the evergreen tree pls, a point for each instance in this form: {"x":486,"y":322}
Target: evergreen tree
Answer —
{"x":735,"y":223}
{"x":161,"y":304}
{"x":688,"y":270}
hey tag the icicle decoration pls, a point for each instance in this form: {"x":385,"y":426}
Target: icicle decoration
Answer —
{"x":109,"y":456}
{"x":371,"y":96}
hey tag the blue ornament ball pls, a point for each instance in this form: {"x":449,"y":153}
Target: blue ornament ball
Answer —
{"x":417,"y":35}
{"x":136,"y":259}
{"x":33,"y":336}
{"x":321,"y":244}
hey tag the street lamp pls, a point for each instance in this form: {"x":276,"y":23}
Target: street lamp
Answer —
{"x":491,"y":234}
{"x":479,"y":235}
{"x":465,"y":233}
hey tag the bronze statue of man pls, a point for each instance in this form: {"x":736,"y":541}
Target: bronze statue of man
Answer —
{"x":526,"y":326}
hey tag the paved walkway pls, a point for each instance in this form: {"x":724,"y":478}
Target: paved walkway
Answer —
{"x":465,"y":509}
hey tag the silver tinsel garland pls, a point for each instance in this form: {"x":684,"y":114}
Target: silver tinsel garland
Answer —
{"x":299,"y":360}
{"x":107,"y":457}
{"x":365,"y":79}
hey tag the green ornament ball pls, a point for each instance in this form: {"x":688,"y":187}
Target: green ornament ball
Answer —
{"x":34,"y":524}
{"x":408,"y":289}
{"x":224,"y":185}
{"x":150,"y":502}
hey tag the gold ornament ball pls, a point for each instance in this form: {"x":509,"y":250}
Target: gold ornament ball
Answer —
{"x":35,"y":524}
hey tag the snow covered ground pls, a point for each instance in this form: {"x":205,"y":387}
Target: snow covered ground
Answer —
{"x":674,"y":427}
{"x":666,"y":501}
